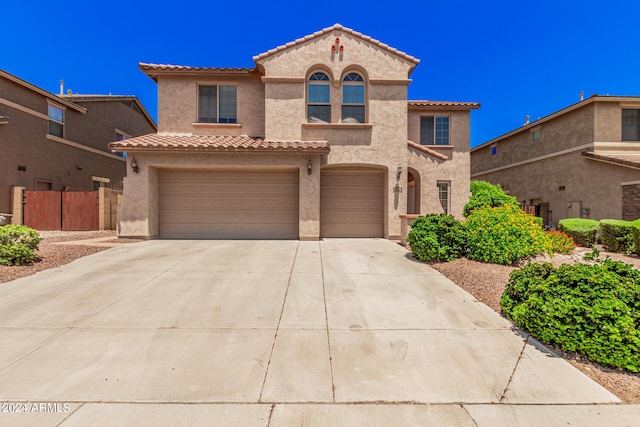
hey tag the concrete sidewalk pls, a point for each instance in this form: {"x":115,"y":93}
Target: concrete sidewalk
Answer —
{"x":277,"y":333}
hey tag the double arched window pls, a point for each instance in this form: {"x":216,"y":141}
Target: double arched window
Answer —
{"x":319,"y":98}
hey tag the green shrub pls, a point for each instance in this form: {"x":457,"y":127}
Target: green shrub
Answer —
{"x":617,"y":235}
{"x":17,"y":244}
{"x":503,"y":235}
{"x":484,"y":195}
{"x":561,"y":242}
{"x":635,"y":227}
{"x":590,"y":309}
{"x":436,"y":238}
{"x":583,"y":231}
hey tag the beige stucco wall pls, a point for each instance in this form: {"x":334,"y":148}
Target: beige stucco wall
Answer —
{"x":455,"y":170}
{"x":595,"y":184}
{"x":381,"y":142}
{"x":138,"y":210}
{"x":273,"y":105}
{"x":178,"y":105}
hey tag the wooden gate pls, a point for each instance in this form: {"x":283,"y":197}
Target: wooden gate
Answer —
{"x":61,"y":210}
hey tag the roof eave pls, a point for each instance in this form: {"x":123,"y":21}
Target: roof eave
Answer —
{"x":43,"y":92}
{"x":154,"y":71}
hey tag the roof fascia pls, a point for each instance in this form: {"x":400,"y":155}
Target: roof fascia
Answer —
{"x":43,"y":92}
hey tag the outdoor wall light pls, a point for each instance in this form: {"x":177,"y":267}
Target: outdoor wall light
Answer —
{"x":134,"y":165}
{"x":399,"y":171}
{"x":309,"y":165}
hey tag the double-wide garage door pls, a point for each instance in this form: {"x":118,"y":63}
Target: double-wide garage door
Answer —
{"x":351,"y":203}
{"x":229,"y":204}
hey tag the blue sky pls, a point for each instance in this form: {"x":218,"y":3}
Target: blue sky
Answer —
{"x":515,"y":58}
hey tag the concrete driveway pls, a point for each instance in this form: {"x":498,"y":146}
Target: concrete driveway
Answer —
{"x":278,"y":333}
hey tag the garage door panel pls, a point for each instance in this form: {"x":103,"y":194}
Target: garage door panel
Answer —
{"x":228,"y":204}
{"x":352,"y":203}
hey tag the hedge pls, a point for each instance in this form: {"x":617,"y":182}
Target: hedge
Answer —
{"x":617,"y":235}
{"x":583,"y":231}
{"x":635,"y":227}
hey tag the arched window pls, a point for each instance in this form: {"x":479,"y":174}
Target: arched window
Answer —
{"x":353,"y":98}
{"x":318,"y":98}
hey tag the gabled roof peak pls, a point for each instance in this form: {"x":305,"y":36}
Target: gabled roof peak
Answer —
{"x":337,"y":27}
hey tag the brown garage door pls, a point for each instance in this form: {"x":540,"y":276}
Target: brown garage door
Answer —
{"x":351,"y":203}
{"x":229,"y":204}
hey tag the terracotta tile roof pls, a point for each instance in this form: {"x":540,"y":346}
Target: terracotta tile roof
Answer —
{"x":167,"y":67}
{"x":467,"y":105}
{"x":427,"y":150}
{"x":337,"y":27}
{"x":155,"y":142}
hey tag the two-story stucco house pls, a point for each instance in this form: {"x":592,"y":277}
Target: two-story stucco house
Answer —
{"x":581,"y":161}
{"x":56,"y":142}
{"x":317,"y":140}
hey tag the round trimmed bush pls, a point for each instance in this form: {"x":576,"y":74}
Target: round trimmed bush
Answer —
{"x":503,"y":235}
{"x":436,"y":237}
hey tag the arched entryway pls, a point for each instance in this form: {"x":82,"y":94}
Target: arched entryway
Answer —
{"x":413,"y":192}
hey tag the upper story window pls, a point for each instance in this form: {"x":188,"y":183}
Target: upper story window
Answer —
{"x":630,"y":124}
{"x":217,"y":104}
{"x":494,"y":149}
{"x":56,"y":121}
{"x":353,"y":98}
{"x":434,"y":130}
{"x":535,"y":135}
{"x":121,"y":136}
{"x":319,"y":98}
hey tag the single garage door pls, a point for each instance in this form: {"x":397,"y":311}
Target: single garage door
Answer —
{"x":351,"y":203}
{"x":232,"y":204}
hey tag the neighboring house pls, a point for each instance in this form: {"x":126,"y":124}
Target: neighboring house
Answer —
{"x":581,"y":161}
{"x":317,"y":140}
{"x":50,"y":142}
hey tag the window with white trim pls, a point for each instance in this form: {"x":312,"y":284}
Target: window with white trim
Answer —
{"x":217,"y":104}
{"x":353,"y":98}
{"x":56,"y":121}
{"x":434,"y":130}
{"x":319,"y":98}
{"x":443,"y":195}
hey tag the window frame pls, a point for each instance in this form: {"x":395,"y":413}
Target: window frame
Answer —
{"x":356,"y":80}
{"x":52,"y":120}
{"x":434,"y":139}
{"x":635,"y":126}
{"x":123,"y":137}
{"x":447,"y":186}
{"x":324,"y":83}
{"x":229,"y":118}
